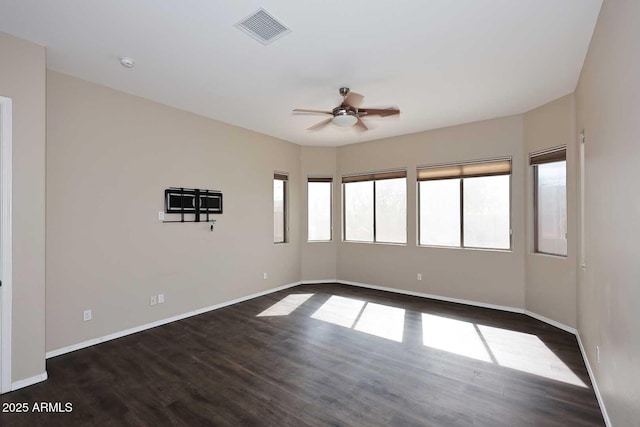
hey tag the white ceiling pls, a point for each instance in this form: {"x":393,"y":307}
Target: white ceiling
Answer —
{"x":442,"y":62}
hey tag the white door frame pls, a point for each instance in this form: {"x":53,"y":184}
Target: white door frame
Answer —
{"x":5,"y":242}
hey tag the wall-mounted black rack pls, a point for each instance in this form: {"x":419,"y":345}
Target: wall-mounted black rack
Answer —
{"x":192,"y":201}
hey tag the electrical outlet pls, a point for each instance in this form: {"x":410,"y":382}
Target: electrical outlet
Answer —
{"x":264,"y":276}
{"x":419,"y":277}
{"x":153,"y":300}
{"x":86,"y":315}
{"x":598,"y":354}
{"x":160,"y":216}
{"x":160,"y":298}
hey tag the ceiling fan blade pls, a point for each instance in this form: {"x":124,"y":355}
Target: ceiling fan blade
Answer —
{"x":353,"y":100}
{"x":360,"y":126}
{"x":382,"y":112}
{"x":299,"y":110}
{"x":321,"y":124}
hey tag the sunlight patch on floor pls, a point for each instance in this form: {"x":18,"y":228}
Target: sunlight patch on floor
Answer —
{"x":504,"y":347}
{"x":286,"y":305}
{"x":382,"y":321}
{"x":375,"y":319}
{"x":340,"y":311}
{"x":527,"y":353}
{"x":454,"y":336}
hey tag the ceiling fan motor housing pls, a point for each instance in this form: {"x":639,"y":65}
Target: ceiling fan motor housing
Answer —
{"x":345,"y":111}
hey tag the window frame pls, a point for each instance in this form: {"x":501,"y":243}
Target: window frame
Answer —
{"x":329,"y":180}
{"x":284,"y":177}
{"x":551,"y":155}
{"x":373,"y":177}
{"x":462,"y":176}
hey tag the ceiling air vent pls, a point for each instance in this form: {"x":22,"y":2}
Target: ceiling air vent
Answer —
{"x":263,"y":27}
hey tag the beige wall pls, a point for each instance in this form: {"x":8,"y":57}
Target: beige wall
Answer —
{"x":551,"y":280}
{"x":109,"y":251}
{"x":22,"y":78}
{"x":318,"y":259}
{"x":608,"y":109}
{"x":109,"y":158}
{"x":492,"y":277}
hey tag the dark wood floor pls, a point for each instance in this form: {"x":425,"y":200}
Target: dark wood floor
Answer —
{"x":233,"y":367}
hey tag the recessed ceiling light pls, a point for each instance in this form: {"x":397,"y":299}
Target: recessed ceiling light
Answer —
{"x":127,"y":62}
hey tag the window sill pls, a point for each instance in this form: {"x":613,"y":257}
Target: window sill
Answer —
{"x":374,"y":243}
{"x":467,"y":249}
{"x":319,"y":241}
{"x":546,"y":255}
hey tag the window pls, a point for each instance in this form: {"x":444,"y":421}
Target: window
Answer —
{"x":440,"y":212}
{"x":465,"y":205}
{"x":358,"y":211}
{"x":550,"y":201}
{"x":375,"y":207}
{"x":280,"y":207}
{"x":319,"y":209}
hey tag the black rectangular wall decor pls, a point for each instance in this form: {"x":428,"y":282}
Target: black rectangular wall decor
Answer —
{"x":192,"y":201}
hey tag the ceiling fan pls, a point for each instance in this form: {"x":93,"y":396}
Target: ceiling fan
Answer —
{"x":349,"y":112}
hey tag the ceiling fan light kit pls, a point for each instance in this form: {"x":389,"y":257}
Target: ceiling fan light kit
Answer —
{"x":349,"y":112}
{"x":345,"y":119}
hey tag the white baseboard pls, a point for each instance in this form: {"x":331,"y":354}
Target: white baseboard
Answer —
{"x":29,"y":381}
{"x":603,"y":409}
{"x":551,"y":322}
{"x":94,"y":341}
{"x":436,"y":297}
{"x":314,"y":282}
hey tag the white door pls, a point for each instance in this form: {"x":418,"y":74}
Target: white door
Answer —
{"x":5,"y":244}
